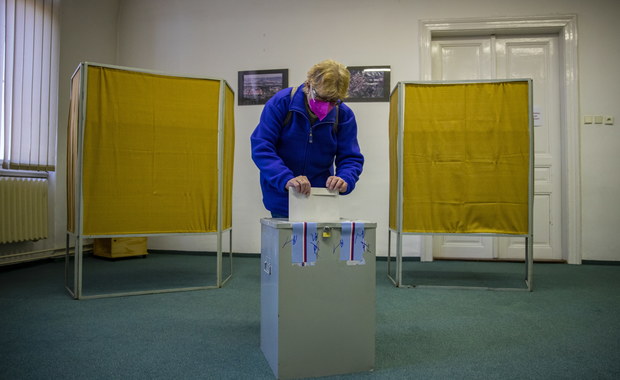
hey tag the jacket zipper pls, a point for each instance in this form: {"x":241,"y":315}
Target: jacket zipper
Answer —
{"x":309,"y":141}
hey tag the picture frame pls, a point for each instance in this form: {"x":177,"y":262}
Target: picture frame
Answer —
{"x":369,"y":84}
{"x":257,"y":86}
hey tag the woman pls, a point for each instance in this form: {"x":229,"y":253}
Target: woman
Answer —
{"x":303,"y":133}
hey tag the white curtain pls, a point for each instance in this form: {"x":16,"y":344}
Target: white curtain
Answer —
{"x":30,"y":47}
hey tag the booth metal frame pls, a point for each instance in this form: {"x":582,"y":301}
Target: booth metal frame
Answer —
{"x":396,"y":277}
{"x":78,"y":235}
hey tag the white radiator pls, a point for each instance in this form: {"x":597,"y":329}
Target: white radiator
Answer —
{"x":23,"y":209}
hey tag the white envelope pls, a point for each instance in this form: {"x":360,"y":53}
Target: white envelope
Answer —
{"x":320,"y":206}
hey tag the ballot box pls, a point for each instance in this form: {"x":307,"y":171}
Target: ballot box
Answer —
{"x":317,"y":297}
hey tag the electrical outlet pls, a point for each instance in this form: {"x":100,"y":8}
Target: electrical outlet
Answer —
{"x":609,"y":120}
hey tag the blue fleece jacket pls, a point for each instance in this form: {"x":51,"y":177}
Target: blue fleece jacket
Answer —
{"x":283,"y":152}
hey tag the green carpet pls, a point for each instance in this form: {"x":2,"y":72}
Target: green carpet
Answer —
{"x":567,"y":328}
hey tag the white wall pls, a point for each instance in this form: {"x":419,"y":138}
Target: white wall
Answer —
{"x":87,"y":33}
{"x":599,"y":57}
{"x":221,"y":37}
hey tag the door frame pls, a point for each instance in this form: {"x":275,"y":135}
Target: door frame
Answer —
{"x":565,"y":26}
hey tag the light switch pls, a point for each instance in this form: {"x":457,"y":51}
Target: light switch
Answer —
{"x":588,"y":119}
{"x":598,"y":119}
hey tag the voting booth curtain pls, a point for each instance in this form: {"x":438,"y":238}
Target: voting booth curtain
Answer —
{"x":148,"y":153}
{"x":460,"y":157}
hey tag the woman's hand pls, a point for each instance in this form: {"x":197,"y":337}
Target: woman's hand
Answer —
{"x":336,"y":183}
{"x":300,"y":184}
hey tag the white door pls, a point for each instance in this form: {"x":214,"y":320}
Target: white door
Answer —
{"x":491,"y":57}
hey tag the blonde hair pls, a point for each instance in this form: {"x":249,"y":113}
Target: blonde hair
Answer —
{"x":330,"y":79}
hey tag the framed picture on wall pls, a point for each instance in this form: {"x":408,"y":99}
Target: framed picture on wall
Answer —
{"x":256,"y":87}
{"x":369,"y":84}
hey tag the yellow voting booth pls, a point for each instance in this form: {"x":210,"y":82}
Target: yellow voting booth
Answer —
{"x":461,"y":162}
{"x":147,"y":154}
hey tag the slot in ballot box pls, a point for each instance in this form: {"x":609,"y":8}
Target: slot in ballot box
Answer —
{"x":317,"y":297}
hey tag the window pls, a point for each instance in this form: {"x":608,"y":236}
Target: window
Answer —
{"x":28,"y":102}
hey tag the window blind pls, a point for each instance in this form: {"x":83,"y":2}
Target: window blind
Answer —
{"x":30,"y":50}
